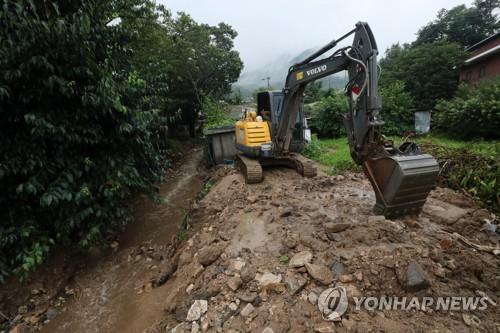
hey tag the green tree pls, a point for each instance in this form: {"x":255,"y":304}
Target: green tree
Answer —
{"x":73,"y":150}
{"x":326,"y":115}
{"x":429,"y":71}
{"x":204,"y":63}
{"x":463,"y":25}
{"x":312,"y":92}
{"x":397,"y":109}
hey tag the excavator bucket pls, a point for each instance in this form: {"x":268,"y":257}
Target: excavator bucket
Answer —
{"x":401,"y":182}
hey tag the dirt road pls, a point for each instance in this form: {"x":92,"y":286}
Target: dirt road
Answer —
{"x":257,"y":258}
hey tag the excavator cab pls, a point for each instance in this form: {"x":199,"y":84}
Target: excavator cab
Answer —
{"x":269,"y":106}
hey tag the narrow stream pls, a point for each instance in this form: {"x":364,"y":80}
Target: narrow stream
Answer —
{"x":107,"y":299}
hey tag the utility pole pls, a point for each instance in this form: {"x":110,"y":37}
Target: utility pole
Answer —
{"x":268,"y":79}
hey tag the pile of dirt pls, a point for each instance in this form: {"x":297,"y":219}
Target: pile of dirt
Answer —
{"x":257,"y":258}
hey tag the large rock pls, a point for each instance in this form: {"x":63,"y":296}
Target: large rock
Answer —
{"x":196,"y":310}
{"x":320,"y":273}
{"x":415,"y":279}
{"x":300,"y":259}
{"x":209,"y":253}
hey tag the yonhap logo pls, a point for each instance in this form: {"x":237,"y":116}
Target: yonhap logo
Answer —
{"x":332,"y":303}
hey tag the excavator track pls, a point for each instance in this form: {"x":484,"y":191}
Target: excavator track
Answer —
{"x":250,"y":168}
{"x":304,"y":166}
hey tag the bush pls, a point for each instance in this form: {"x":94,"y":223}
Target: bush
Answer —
{"x":474,"y":112}
{"x":215,"y":114}
{"x":72,"y":151}
{"x":397,"y":109}
{"x":464,"y":168}
{"x":327,"y":115}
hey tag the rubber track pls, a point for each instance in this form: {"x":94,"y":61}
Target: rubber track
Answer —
{"x":306,"y":166}
{"x":250,"y":168}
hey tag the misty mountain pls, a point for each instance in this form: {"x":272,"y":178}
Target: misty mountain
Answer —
{"x":276,"y":70}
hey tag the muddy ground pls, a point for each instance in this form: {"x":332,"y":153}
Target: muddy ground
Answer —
{"x":256,"y":258}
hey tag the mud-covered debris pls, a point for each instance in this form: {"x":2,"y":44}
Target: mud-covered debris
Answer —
{"x":195,"y":327}
{"x":20,"y":328}
{"x":312,"y":298}
{"x":440,"y":272}
{"x":268,"y":279}
{"x":247,"y":296}
{"x":294,"y":282}
{"x":247,"y":310}
{"x":416,"y":279}
{"x":300,"y":259}
{"x":196,"y":310}
{"x":337,"y":269}
{"x":51,"y":313}
{"x":209,"y":253}
{"x":181,"y":328}
{"x":290,"y":242}
{"x":324,"y":328}
{"x":287,"y":211}
{"x":320,"y":273}
{"x":376,"y":218}
{"x":234,"y":283}
{"x":248,"y":273}
{"x":233,"y":306}
{"x":334,"y":227}
{"x":268,"y":330}
{"x":471,"y":320}
{"x":236,"y":264}
{"x":166,"y":272}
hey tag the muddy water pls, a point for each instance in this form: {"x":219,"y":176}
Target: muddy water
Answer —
{"x":107,"y":298}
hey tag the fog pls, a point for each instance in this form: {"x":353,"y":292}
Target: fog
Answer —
{"x":269,"y":29}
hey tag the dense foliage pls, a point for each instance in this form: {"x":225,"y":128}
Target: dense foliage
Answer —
{"x":326,"y":115}
{"x":398,"y":112}
{"x":463,"y":25}
{"x":464,"y":168}
{"x":473,"y":112}
{"x":428,"y":71}
{"x":215,"y":114}
{"x":87,"y":91}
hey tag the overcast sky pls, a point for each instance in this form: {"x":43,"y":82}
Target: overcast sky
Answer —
{"x":272,"y":28}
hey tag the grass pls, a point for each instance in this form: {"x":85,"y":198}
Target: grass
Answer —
{"x":480,"y":147}
{"x":470,"y":165}
{"x":333,"y":154}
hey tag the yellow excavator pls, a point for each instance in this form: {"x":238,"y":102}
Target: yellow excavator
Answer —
{"x":402,"y":177}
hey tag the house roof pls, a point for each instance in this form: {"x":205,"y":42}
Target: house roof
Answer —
{"x":484,"y":41}
{"x":482,"y":55}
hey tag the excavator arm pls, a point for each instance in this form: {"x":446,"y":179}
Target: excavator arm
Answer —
{"x":402,"y":177}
